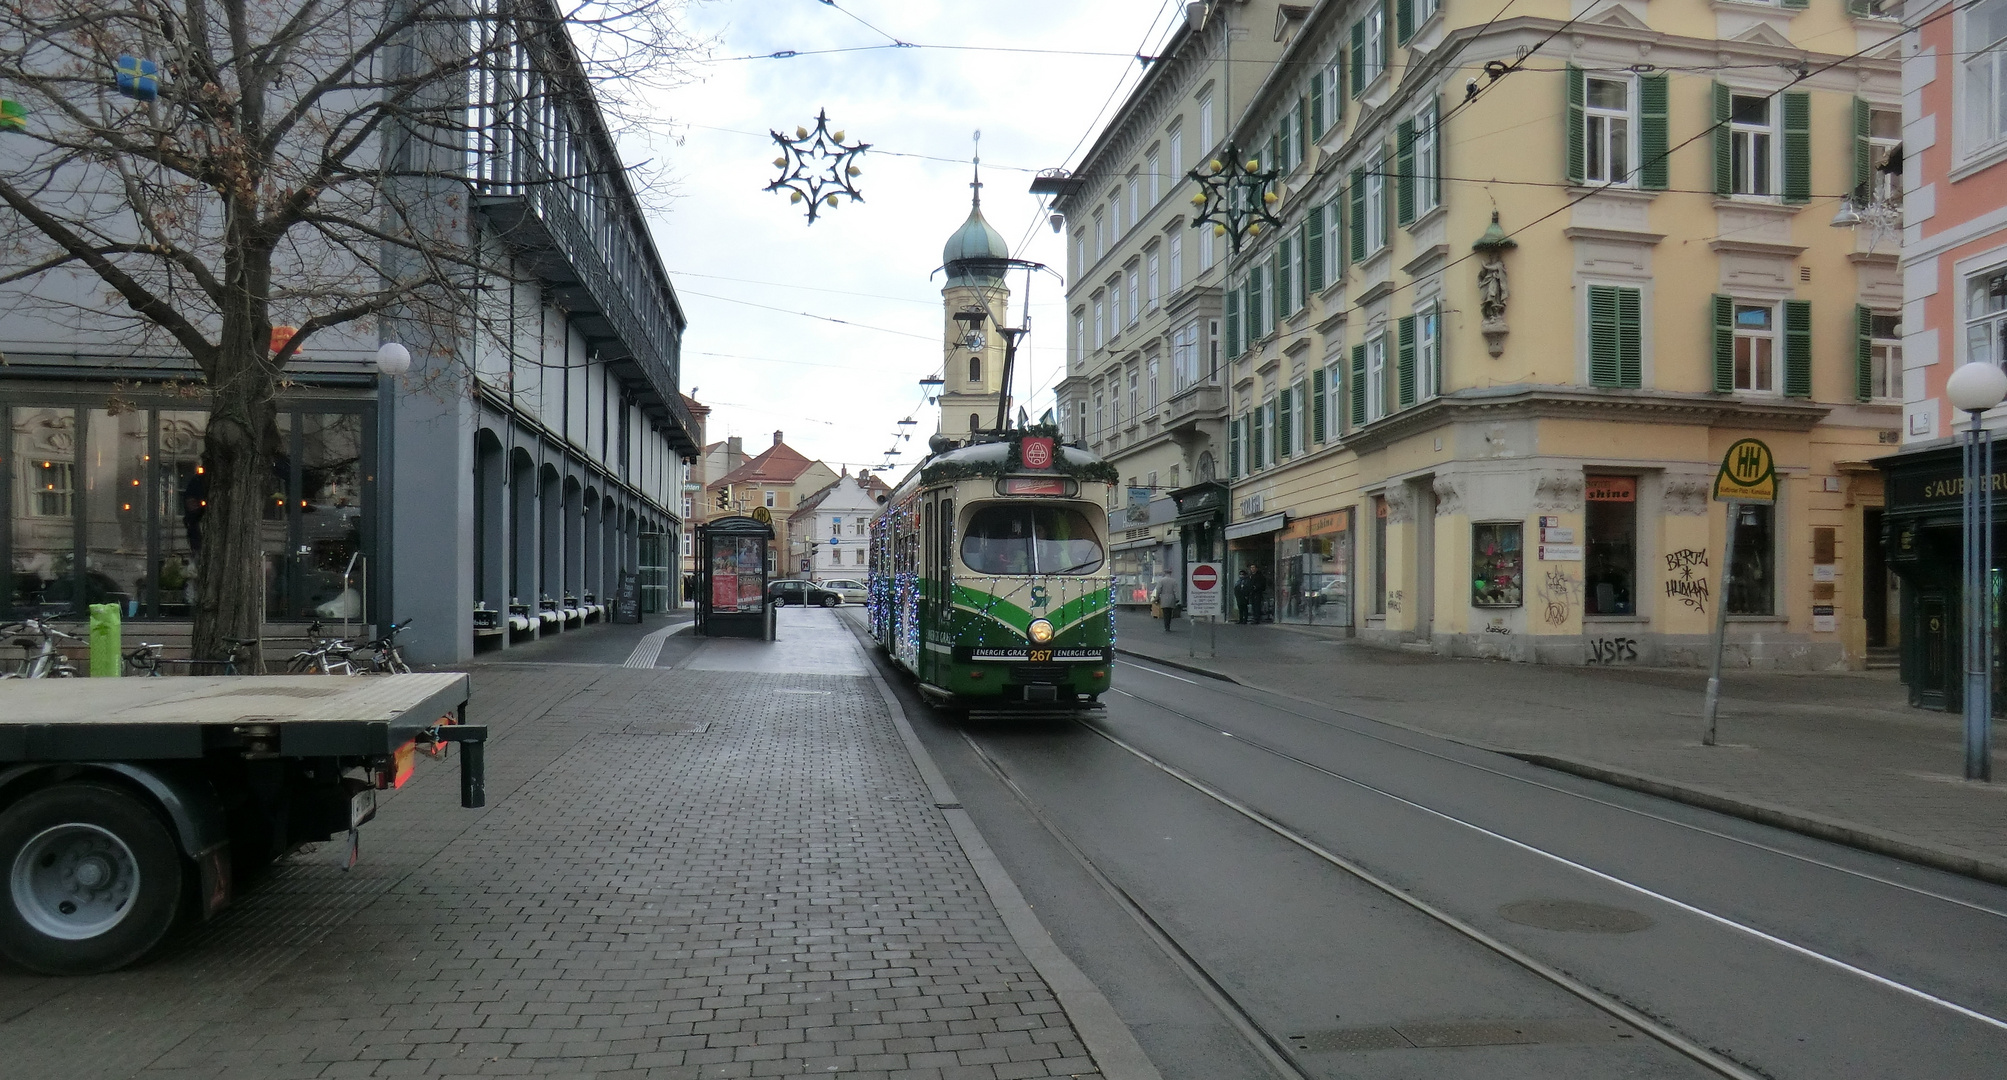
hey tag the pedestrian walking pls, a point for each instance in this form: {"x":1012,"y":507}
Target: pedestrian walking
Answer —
{"x":1240,"y":594}
{"x":1168,"y":600}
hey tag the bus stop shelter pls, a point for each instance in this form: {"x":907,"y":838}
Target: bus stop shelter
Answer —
{"x":734,"y":560}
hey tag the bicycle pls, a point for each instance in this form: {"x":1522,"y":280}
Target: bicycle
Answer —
{"x":40,"y":658}
{"x":382,"y":655}
{"x":144,"y":662}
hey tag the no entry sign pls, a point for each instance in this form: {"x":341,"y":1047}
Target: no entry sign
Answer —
{"x":1202,"y":593}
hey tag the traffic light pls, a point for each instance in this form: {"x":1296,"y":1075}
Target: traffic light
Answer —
{"x":724,"y":499}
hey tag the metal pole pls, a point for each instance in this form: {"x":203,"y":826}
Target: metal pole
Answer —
{"x":1713,"y":702}
{"x":1978,"y":557}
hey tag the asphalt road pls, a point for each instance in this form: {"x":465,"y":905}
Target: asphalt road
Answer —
{"x":1265,"y":887}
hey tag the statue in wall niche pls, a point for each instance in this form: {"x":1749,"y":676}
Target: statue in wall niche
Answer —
{"x":1492,"y":289}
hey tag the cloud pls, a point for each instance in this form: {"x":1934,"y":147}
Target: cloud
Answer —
{"x":839,"y":390}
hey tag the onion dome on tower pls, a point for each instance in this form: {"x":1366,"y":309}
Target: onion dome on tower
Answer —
{"x":974,"y":254}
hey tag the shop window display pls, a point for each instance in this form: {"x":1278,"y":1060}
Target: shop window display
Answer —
{"x":43,"y":530}
{"x":1752,"y":584}
{"x":1497,"y":564}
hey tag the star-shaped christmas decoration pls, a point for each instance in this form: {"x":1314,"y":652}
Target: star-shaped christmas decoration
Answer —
{"x":817,"y":166}
{"x":1235,"y":196}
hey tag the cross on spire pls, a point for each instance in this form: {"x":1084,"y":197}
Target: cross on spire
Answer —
{"x":976,"y":185}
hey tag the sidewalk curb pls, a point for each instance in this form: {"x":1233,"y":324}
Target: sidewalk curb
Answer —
{"x":1937,"y":858}
{"x":1950,"y":860}
{"x":1102,"y":1030}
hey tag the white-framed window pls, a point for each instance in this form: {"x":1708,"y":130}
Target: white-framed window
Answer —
{"x":1212,"y":350}
{"x":1206,"y":124}
{"x":1758,"y":351}
{"x":1334,"y":255}
{"x":1206,"y":250}
{"x":769,"y":500}
{"x":1269,"y":435}
{"x":1079,"y":334}
{"x":1135,"y":393}
{"x":1986,"y":317}
{"x":1115,"y":400}
{"x":1079,"y":251}
{"x":1152,"y":280}
{"x":1334,"y":396}
{"x":1100,"y":323}
{"x":1156,"y":178}
{"x":1373,"y":60}
{"x":1152,"y":368}
{"x":1135,"y":294}
{"x":1885,"y":356}
{"x":1114,"y":306}
{"x":1097,"y":412}
{"x":1135,"y":198}
{"x":1376,"y":204}
{"x":1884,"y":143}
{"x":1178,"y":149}
{"x":1424,"y":11}
{"x":1176,"y":257}
{"x":1753,"y":143}
{"x":1985,"y":82}
{"x":1334,"y":90}
{"x":1184,"y":356}
{"x":1376,"y":377}
{"x":1115,"y":215}
{"x":1428,"y":351}
{"x":1080,"y":421}
{"x":1100,"y":235}
{"x":1609,"y":130}
{"x":1427,"y":156}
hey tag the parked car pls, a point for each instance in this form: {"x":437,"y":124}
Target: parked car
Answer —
{"x":851,"y":589}
{"x":792,"y":591}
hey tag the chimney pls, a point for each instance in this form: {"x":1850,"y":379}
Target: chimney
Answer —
{"x":777,"y":436}
{"x":735,"y":447}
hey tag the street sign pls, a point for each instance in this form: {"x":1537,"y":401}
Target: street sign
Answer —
{"x":1748,"y":473}
{"x":763,"y":515}
{"x":1203,"y":592}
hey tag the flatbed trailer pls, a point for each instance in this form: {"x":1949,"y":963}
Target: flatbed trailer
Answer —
{"x":127,"y":805}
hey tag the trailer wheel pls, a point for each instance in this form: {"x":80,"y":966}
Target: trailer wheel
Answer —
{"x":92,"y":880}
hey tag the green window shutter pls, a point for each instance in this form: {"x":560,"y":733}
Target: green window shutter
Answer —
{"x":1864,"y":155}
{"x":1358,"y":215}
{"x":1260,"y":439}
{"x":1404,"y":20}
{"x":1234,"y":447}
{"x":1358,"y":57}
{"x":1304,"y":132}
{"x":1798,"y":348}
{"x":1300,"y":277}
{"x":1864,"y":360}
{"x":1358,"y":386}
{"x":1404,"y":166}
{"x":1313,"y":250}
{"x":1859,"y":8}
{"x":1604,"y":369}
{"x":1315,"y":106}
{"x":1578,"y":153}
{"x":1724,"y":344}
{"x":1406,"y":374}
{"x":1724,"y":179}
{"x":1257,"y":317}
{"x":1317,"y":405}
{"x":1653,"y":172}
{"x":1386,"y":40}
{"x":1797,"y":147}
{"x":1794,"y":3}
{"x":1278,"y":261}
{"x":1630,"y":339}
{"x":1285,"y":413}
{"x":1274,"y":159}
{"x":1233,"y":323}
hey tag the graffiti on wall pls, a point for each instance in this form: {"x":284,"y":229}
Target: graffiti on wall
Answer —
{"x":1560,"y":593}
{"x":1394,"y":602}
{"x":1682,"y":583}
{"x":1613,"y":650}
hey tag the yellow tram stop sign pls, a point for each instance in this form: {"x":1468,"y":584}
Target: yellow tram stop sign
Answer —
{"x":766,"y":517}
{"x":1748,"y":473}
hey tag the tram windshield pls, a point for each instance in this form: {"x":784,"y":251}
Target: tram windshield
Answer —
{"x":1007,"y":539}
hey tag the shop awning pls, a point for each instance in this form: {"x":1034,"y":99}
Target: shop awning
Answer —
{"x":1131,"y":545}
{"x":1271,"y":523}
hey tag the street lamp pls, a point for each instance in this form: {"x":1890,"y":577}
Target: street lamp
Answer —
{"x":392,"y":358}
{"x":1975,"y":388}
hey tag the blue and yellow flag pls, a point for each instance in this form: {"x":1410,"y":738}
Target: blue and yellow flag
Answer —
{"x":137,"y":78}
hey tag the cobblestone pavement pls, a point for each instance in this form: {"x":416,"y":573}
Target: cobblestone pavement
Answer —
{"x":1840,"y":755}
{"x":681,"y":874}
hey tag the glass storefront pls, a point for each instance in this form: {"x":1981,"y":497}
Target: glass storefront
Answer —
{"x":108,"y":506}
{"x":1497,"y":571}
{"x":1313,"y":565}
{"x":1610,"y":545}
{"x":1135,"y":574}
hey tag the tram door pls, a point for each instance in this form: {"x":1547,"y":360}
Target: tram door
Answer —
{"x":943,"y":558}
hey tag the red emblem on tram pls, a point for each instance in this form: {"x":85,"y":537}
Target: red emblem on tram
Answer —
{"x":1036,"y":452}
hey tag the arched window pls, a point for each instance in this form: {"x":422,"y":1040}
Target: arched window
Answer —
{"x":1204,"y":468}
{"x":975,"y":421}
{"x":975,"y":369}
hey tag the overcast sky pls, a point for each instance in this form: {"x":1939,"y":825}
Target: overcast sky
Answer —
{"x":838,"y":391}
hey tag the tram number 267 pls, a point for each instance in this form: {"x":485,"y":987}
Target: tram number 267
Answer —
{"x":1039,"y":656}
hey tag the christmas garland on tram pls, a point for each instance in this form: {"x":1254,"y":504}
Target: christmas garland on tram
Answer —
{"x":990,"y":580}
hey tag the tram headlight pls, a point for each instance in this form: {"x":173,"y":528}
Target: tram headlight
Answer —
{"x":1041,"y":631}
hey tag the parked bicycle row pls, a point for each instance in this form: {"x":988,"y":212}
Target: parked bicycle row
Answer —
{"x":42,"y":655}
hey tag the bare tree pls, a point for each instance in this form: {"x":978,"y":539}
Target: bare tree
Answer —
{"x":306,"y":163}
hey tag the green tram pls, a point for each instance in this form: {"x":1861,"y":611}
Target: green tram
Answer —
{"x":990,"y":579}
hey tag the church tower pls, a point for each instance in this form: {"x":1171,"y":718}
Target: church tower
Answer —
{"x":975,"y":301}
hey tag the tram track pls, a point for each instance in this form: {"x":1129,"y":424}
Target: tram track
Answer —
{"x":1266,"y":700}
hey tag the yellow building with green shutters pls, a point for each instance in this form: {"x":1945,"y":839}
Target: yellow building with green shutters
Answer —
{"x":1530,"y":278}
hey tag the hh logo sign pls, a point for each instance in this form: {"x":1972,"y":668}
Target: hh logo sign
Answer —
{"x":1748,"y":473}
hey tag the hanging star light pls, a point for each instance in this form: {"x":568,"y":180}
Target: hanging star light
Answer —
{"x":817,"y":166}
{"x":1235,"y":197}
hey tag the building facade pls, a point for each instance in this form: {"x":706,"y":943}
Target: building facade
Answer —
{"x":497,"y":492}
{"x":1143,"y":383}
{"x":832,"y":528}
{"x":1954,"y":272}
{"x":1482,"y":368}
{"x":776,"y":480}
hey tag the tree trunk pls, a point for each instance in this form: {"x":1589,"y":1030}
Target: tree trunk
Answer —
{"x":237,"y":459}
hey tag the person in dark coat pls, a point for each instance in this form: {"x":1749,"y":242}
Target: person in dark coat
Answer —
{"x":1257,"y":593}
{"x":1240,"y":593}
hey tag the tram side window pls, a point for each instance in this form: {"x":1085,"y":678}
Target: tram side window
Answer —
{"x":1005,"y":539}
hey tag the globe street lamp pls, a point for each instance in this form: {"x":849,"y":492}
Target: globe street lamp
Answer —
{"x":392,"y":358}
{"x":1975,"y":388}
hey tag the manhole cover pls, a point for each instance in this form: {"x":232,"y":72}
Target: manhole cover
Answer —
{"x":1575,"y":916}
